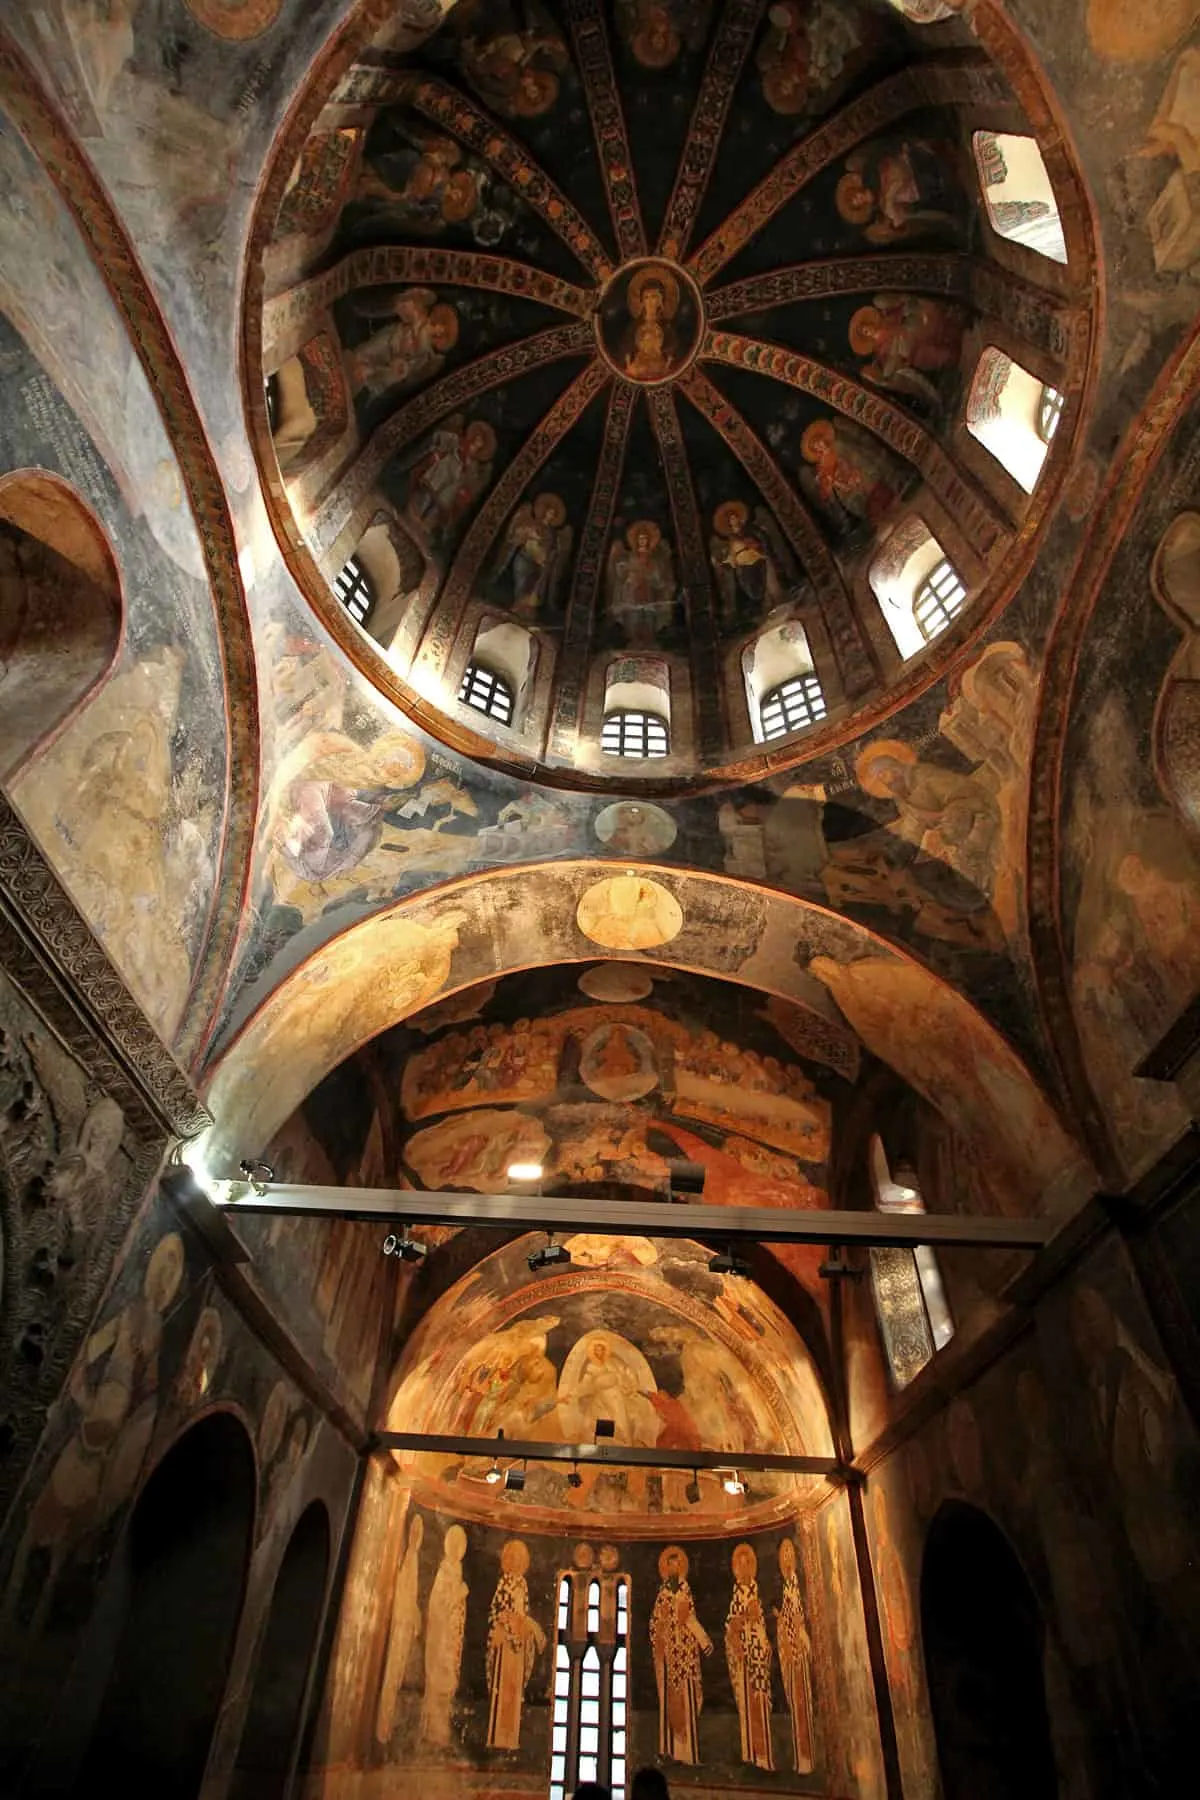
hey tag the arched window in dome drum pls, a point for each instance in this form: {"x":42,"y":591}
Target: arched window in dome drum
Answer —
{"x":1005,"y":410}
{"x":487,"y":692}
{"x":940,"y":597}
{"x":1018,"y":193}
{"x":271,"y":396}
{"x":1050,"y":411}
{"x":629,"y":732}
{"x":589,"y":1726}
{"x":353,"y":588}
{"x":910,"y":1299}
{"x":791,"y":706}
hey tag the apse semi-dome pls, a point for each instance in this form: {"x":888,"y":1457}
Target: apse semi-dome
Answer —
{"x":655,"y":393}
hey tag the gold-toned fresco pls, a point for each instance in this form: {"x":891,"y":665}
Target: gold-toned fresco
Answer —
{"x":629,"y":912}
{"x":636,"y":1332}
{"x":677,"y":1642}
{"x":1175,"y":584}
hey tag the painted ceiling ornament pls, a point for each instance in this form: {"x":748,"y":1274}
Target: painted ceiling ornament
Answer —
{"x":629,"y":912}
{"x":616,"y":984}
{"x":657,"y":30}
{"x":235,"y":20}
{"x":635,"y":828}
{"x":650,"y":321}
{"x":618,"y":1063}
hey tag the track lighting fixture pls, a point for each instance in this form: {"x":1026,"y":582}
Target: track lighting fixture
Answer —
{"x":732,"y":1482}
{"x":514,"y":1481}
{"x":728,"y":1264}
{"x":575,"y":1479}
{"x":404,"y":1246}
{"x":553,"y":1256}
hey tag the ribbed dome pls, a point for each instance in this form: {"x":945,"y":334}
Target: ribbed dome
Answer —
{"x":649,"y":381}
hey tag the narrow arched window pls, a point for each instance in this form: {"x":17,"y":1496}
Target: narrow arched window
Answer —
{"x":629,"y":732}
{"x":589,"y":1725}
{"x":791,"y":706}
{"x":487,"y":692}
{"x":1018,"y":193}
{"x":938,"y":599}
{"x":353,"y":588}
{"x":271,"y":396}
{"x":910,"y":1298}
{"x":1050,"y":410}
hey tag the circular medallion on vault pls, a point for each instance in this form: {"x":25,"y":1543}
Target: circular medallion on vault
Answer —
{"x":650,"y":321}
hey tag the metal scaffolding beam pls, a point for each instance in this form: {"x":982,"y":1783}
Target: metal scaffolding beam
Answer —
{"x":626,"y":1456}
{"x":711,"y":1224}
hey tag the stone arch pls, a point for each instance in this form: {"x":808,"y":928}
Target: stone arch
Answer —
{"x":380,"y":970}
{"x":61,"y":611}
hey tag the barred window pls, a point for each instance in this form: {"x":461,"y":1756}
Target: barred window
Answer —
{"x":631,"y":733}
{"x":590,"y":1695}
{"x":791,"y":706}
{"x":910,"y":1299}
{"x":353,"y":588}
{"x":488,"y":693}
{"x":939,"y":598}
{"x":1050,"y":410}
{"x":271,"y":395}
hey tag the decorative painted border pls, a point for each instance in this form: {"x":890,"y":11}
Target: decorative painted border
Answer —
{"x":948,"y":275}
{"x":694,"y":568}
{"x":23,"y":98}
{"x":586,"y":19}
{"x":736,"y":32}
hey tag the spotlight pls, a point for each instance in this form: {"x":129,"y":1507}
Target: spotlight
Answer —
{"x":691,"y":1492}
{"x":606,"y":1428}
{"x":685,"y":1177}
{"x":525,"y":1171}
{"x":575,"y":1479}
{"x":728,"y":1264}
{"x":494,"y":1475}
{"x":514,"y":1481}
{"x":732,"y":1482}
{"x":257,"y":1173}
{"x":554,"y":1256}
{"x":405,"y":1247}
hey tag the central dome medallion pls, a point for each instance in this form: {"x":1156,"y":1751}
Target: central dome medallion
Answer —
{"x":650,"y":321}
{"x":638,"y":372}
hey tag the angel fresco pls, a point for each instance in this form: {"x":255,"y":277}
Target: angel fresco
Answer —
{"x":852,"y":479}
{"x":895,"y":188}
{"x":412,"y":348}
{"x":536,"y":553}
{"x":749,"y":559}
{"x":512,"y":55}
{"x":907,"y":338}
{"x":641,"y":582}
{"x":805,"y":48}
{"x":657,"y":30}
{"x":446,"y":477}
{"x":429,"y":183}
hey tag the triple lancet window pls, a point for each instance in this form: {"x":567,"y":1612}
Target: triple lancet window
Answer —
{"x":591,"y":1683}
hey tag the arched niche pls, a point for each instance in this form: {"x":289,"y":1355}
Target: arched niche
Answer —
{"x":174,"y":1600}
{"x":60,"y":611}
{"x":285,"y":1658}
{"x":982,"y":1633}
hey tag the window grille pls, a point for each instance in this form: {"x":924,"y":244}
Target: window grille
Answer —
{"x":791,"y":706}
{"x":271,"y":395}
{"x":629,"y":733}
{"x":353,"y":588}
{"x":488,"y":693}
{"x":940,"y":598}
{"x":910,"y":1298}
{"x":589,"y":1723}
{"x":1050,"y":411}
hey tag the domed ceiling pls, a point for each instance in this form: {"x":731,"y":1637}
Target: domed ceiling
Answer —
{"x":634,"y":331}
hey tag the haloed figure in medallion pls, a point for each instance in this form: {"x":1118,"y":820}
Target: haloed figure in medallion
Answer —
{"x":514,"y":1643}
{"x":651,"y":351}
{"x":749,"y":1655}
{"x":795,"y":1658}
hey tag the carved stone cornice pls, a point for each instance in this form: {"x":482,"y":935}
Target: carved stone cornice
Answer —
{"x":49,"y":950}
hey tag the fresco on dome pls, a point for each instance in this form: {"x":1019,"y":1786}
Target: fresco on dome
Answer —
{"x":897,"y":189}
{"x":675,"y":1356}
{"x":128,"y":801}
{"x":808,"y":54}
{"x":849,"y":476}
{"x":1175,"y":584}
{"x":657,"y":31}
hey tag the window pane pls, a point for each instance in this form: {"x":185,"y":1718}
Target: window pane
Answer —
{"x":561,"y":1659}
{"x":559,"y":1739}
{"x":487,"y":692}
{"x":795,"y":703}
{"x":587,"y":1768}
{"x":618,"y":1769}
{"x":618,"y":1743}
{"x":589,"y":1712}
{"x":556,"y":1793}
{"x":353,"y":589}
{"x":630,"y":733}
{"x":558,"y":1768}
{"x":590,"y":1687}
{"x":618,"y":1687}
{"x":620,"y":1661}
{"x":589,"y":1739}
{"x":618,"y":1713}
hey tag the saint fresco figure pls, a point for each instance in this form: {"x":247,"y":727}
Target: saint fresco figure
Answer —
{"x":804,"y":49}
{"x":512,"y":55}
{"x":853,"y":479}
{"x":794,"y":1645}
{"x":445,"y":1625}
{"x":536,"y":553}
{"x":513,"y":1645}
{"x":425,"y":180}
{"x":677,"y":1641}
{"x":749,"y":560}
{"x":406,"y":1617}
{"x":650,"y":348}
{"x":1175,"y":584}
{"x":641,"y":582}
{"x":412,"y":348}
{"x":749,"y":1655}
{"x":896,"y":188}
{"x":657,"y":30}
{"x":954,"y":818}
{"x":907,"y":338}
{"x":447,"y":476}
{"x":607,"y":1377}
